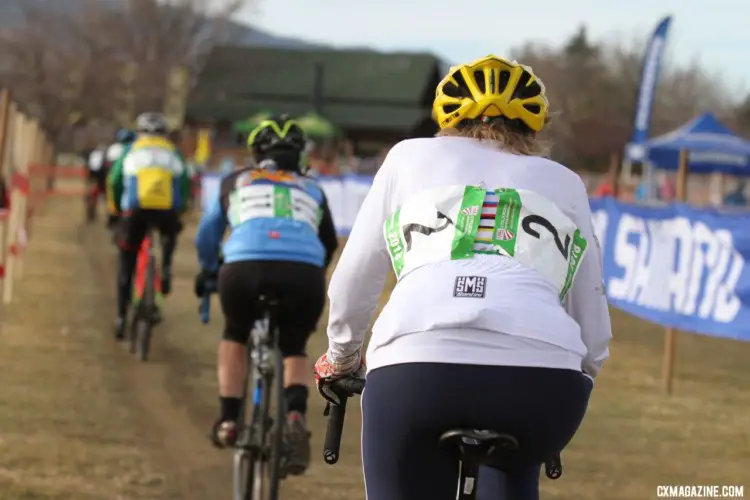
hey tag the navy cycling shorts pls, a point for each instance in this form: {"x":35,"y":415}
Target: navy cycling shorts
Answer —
{"x":406,"y":407}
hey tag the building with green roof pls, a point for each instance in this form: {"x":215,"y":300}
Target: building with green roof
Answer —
{"x":372,"y":97}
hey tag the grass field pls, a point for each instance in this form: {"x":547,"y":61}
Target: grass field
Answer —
{"x":81,"y":419}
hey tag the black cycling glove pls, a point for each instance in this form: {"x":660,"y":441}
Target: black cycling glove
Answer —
{"x":205,"y":281}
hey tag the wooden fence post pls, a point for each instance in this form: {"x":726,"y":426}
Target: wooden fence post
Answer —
{"x":670,"y":339}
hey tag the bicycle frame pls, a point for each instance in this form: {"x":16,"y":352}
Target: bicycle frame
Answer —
{"x":145,"y":254}
{"x":145,"y":309}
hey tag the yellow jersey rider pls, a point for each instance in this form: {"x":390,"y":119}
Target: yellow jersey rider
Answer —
{"x":149,"y":185}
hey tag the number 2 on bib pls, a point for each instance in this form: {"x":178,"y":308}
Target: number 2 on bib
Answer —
{"x":458,"y":222}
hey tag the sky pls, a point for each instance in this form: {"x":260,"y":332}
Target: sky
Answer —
{"x":714,"y":32}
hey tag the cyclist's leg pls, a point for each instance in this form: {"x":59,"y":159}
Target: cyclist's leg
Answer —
{"x":497,"y":485}
{"x":405,"y":408}
{"x":101,"y":184}
{"x":168,"y":222}
{"x":238,"y":290}
{"x":302,"y":291}
{"x":132,"y":231}
{"x":542,"y":408}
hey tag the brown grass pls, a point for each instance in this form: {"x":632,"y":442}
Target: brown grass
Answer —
{"x":81,"y":419}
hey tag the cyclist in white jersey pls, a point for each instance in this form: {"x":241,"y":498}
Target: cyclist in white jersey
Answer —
{"x":499,"y":319}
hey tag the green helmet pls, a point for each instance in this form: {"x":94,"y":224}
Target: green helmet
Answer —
{"x":276,"y":134}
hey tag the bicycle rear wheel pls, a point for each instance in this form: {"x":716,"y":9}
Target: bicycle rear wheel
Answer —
{"x":248,"y":455}
{"x":270,"y":471}
{"x":276,"y":444}
{"x":147,"y":306}
{"x":243,"y":474}
{"x":258,"y":466}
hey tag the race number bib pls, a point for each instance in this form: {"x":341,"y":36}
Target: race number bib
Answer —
{"x":154,"y":169}
{"x":458,"y":222}
{"x":255,"y":201}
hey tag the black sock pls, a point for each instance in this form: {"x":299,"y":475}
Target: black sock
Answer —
{"x":296,"y":398}
{"x":230,"y":408}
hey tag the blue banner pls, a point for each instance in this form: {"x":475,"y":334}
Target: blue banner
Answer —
{"x":647,"y":89}
{"x":677,"y":266}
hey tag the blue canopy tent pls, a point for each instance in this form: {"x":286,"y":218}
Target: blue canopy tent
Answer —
{"x":711,"y":147}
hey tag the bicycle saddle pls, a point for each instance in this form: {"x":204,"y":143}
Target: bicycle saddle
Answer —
{"x":476,"y":445}
{"x":267,"y":300}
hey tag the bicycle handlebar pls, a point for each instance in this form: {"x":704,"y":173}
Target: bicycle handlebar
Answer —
{"x":205,"y":307}
{"x":553,"y":467}
{"x":344,"y":388}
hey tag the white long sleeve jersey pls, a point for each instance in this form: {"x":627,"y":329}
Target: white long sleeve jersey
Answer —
{"x":484,"y":309}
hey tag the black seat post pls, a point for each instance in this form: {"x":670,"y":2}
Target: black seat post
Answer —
{"x":468,"y":477}
{"x":473,"y":448}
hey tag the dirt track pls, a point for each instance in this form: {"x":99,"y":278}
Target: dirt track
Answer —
{"x":160,"y":410}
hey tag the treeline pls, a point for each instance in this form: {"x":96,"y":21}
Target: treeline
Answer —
{"x":71,"y":68}
{"x":593,"y":90}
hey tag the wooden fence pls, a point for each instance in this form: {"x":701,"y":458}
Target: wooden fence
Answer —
{"x":24,"y":147}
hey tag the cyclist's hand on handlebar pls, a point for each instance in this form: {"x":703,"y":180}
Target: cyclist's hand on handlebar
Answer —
{"x":203,"y":279}
{"x":327,"y":370}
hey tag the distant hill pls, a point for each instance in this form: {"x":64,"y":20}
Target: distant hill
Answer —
{"x":11,"y":15}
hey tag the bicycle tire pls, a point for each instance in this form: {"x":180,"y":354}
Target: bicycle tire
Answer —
{"x":243,"y":473}
{"x":264,"y":472}
{"x":134,"y":328}
{"x":277,"y":449}
{"x":273,"y":428}
{"x":133,"y":333}
{"x":148,"y":304}
{"x":255,"y":456}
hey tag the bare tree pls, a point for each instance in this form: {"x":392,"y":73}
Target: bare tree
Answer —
{"x":592,"y":88}
{"x":67,"y":66}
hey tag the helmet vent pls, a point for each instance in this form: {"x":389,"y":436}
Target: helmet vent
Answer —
{"x":524,"y":90}
{"x":479,"y":78}
{"x":504,"y":79}
{"x":460,"y":89}
{"x":533,"y":108}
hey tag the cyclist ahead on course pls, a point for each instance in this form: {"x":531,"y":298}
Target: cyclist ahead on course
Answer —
{"x":282,"y":239}
{"x":95,"y":163}
{"x":123,"y":138}
{"x":147,"y":186}
{"x":499,"y":319}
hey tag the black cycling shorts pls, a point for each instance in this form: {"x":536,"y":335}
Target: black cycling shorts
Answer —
{"x":99,"y":178}
{"x":541,"y":407}
{"x":299,"y":287}
{"x":134,"y":225}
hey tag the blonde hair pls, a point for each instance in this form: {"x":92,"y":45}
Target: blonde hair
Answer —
{"x":503,"y":137}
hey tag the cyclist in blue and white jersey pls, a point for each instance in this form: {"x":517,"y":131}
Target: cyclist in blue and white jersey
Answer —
{"x":281,"y":242}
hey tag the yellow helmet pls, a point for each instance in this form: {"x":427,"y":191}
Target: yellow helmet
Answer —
{"x":491,"y":87}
